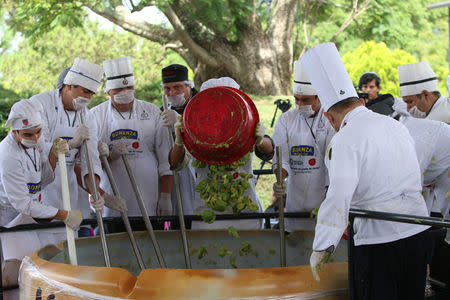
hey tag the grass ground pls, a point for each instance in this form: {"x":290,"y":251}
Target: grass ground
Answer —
{"x":266,"y":109}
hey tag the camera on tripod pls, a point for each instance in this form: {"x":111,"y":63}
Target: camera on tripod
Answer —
{"x":283,"y":104}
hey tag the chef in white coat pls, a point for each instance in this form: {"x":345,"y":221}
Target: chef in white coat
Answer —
{"x":180,"y":158}
{"x":303,"y":135}
{"x":61,"y":118}
{"x":432,"y":143}
{"x":132,"y":127}
{"x":24,"y":170}
{"x":419,"y":89}
{"x":179,"y":90}
{"x":84,"y":231}
{"x":372,"y":165}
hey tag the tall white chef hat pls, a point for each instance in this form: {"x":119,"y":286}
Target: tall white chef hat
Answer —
{"x":25,"y":114}
{"x":222,"y":81}
{"x":119,"y":73}
{"x":85,"y":74}
{"x":302,"y":85}
{"x":414,"y":78}
{"x":328,"y":75}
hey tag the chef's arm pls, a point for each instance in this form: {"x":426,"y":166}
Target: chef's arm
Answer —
{"x":166,"y":184}
{"x":97,"y":183}
{"x":284,"y":173}
{"x":77,"y":169}
{"x":176,"y":156}
{"x":61,"y":215}
{"x":52,"y":159}
{"x":265,"y":150}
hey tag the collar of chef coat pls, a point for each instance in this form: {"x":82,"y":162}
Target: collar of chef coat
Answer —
{"x":437,"y":103}
{"x":351,"y":114}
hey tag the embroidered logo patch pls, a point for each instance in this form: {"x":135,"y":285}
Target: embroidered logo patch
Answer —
{"x":34,"y":188}
{"x":303,"y":150}
{"x":144,"y":115}
{"x":124,"y":134}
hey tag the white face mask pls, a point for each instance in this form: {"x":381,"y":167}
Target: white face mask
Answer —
{"x":124,"y":97}
{"x":417,"y":113}
{"x":306,"y":110}
{"x":29,"y":143}
{"x":80,"y":103}
{"x":177,"y":100}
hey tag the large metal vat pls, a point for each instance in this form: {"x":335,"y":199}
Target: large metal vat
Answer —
{"x":257,"y":276}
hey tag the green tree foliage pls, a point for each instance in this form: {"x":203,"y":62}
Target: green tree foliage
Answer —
{"x":377,"y":57}
{"x":7,"y":99}
{"x":35,"y":66}
{"x":6,"y":32}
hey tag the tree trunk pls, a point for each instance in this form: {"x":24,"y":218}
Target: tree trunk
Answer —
{"x":253,"y":64}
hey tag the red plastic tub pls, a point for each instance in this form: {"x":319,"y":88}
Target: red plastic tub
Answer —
{"x":219,"y":125}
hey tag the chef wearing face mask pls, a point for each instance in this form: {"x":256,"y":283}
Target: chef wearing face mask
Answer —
{"x":132,"y":127}
{"x":419,"y":89}
{"x":303,"y":135}
{"x":179,"y":90}
{"x":24,"y":171}
{"x":61,"y":118}
{"x":177,"y":87}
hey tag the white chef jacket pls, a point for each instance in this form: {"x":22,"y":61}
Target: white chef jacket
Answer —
{"x":23,"y":173}
{"x":432,"y":143}
{"x":440,"y":110}
{"x":14,"y":188}
{"x":145,"y":116}
{"x":303,"y":142}
{"x":372,"y":165}
{"x":51,"y":101}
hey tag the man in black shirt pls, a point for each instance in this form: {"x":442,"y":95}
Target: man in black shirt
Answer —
{"x":369,"y":83}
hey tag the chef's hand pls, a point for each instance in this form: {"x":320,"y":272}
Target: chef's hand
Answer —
{"x":81,"y":134}
{"x":118,"y":149}
{"x":169,"y":117}
{"x":164,"y":207}
{"x":97,"y":205}
{"x":115,"y":202}
{"x":279,"y":190}
{"x":60,"y":146}
{"x":260,"y":131}
{"x":178,"y":131}
{"x":317,"y":259}
{"x":103,"y":149}
{"x":73,"y":219}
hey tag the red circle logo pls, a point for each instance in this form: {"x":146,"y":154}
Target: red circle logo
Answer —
{"x":312,"y":161}
{"x":135,"y":145}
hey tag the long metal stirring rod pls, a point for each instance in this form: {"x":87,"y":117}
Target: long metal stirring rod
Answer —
{"x":144,"y":213}
{"x":281,"y":210}
{"x":176,"y":180}
{"x":126,"y":222}
{"x":94,"y":193}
